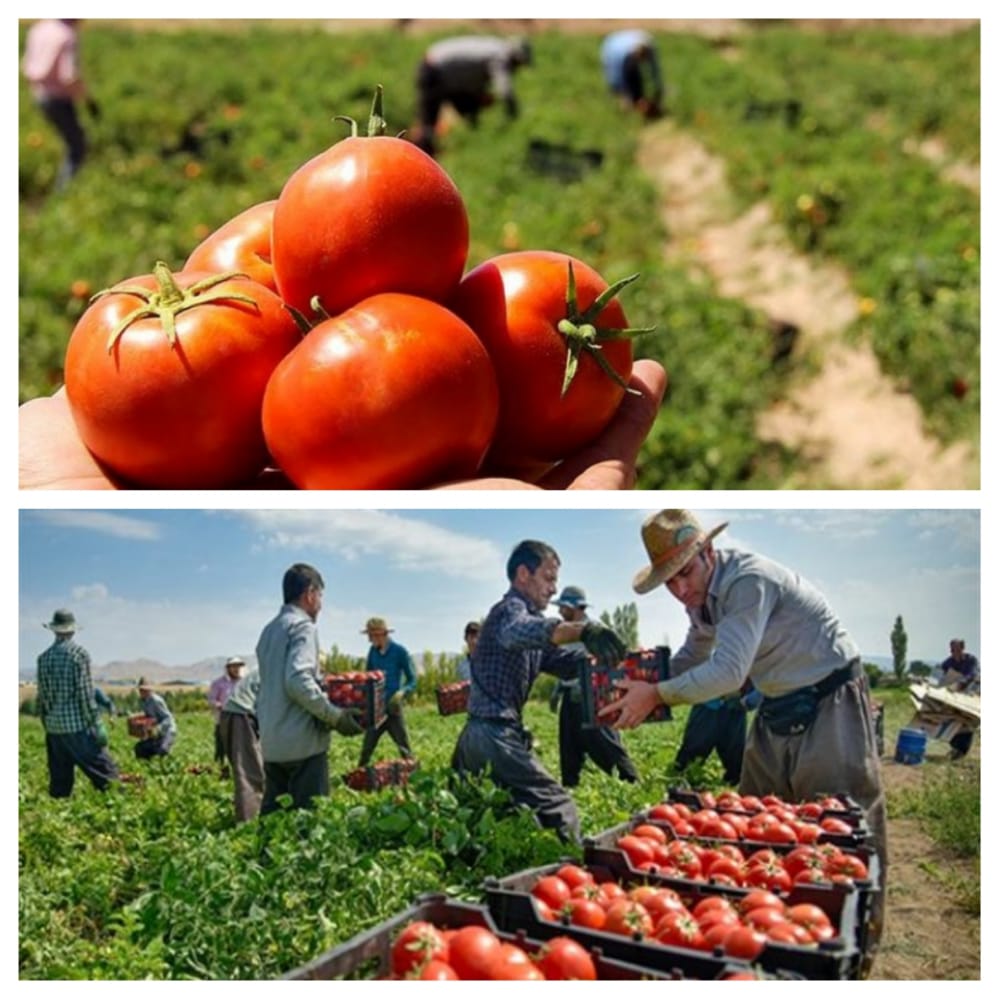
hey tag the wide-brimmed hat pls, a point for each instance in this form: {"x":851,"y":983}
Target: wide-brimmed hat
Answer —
{"x":63,"y":622}
{"x":235,"y":661}
{"x":376,"y":624}
{"x":672,"y":538}
{"x":571,"y":596}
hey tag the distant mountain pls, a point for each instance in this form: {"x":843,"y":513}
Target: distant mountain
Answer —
{"x":128,"y":671}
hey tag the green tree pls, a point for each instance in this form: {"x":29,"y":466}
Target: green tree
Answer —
{"x":918,"y":668}
{"x":899,"y":644}
{"x":624,"y":621}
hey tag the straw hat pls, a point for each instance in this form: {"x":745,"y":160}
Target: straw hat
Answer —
{"x":63,"y":622}
{"x":376,"y":624}
{"x":672,"y":538}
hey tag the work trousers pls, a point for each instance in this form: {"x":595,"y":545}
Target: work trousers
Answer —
{"x":68,"y":750}
{"x":395,"y":725}
{"x":241,"y":745}
{"x":302,"y":779}
{"x":601,"y":744}
{"x":61,"y":113}
{"x":721,"y":729}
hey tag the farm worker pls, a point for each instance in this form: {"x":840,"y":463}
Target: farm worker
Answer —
{"x":51,"y":65}
{"x":960,"y":672}
{"x":471,"y":640}
{"x":468,"y":72}
{"x":218,"y":693}
{"x":631,"y":69}
{"x":161,"y":738}
{"x":293,"y":711}
{"x":400,"y":679}
{"x":516,"y":643}
{"x":601,"y":744}
{"x":68,"y":712}
{"x":719,"y":725}
{"x":241,"y":743}
{"x":104,"y":703}
{"x":751,"y":618}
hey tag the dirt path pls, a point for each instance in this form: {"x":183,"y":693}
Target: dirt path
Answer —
{"x":826,"y":419}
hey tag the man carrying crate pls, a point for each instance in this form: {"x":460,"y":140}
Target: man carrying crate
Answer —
{"x":394,"y":661}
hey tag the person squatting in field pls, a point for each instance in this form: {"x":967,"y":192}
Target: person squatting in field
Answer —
{"x":516,"y":643}
{"x":295,"y":715}
{"x":751,"y":618}
{"x":394,"y":661}
{"x":69,"y":713}
{"x":631,"y":69}
{"x":162,"y":736}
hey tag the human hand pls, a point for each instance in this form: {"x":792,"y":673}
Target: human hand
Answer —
{"x":346,"y":722}
{"x":602,"y":643}
{"x":639,"y":701}
{"x":395,"y":703}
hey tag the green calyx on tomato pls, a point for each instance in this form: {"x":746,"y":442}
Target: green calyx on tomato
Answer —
{"x":581,"y":335}
{"x":376,"y":122}
{"x":169,"y":300}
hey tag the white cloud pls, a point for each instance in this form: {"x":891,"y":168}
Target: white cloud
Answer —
{"x":115,"y":524}
{"x":89,"y":592}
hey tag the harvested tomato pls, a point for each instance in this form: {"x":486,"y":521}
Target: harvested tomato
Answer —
{"x":418,"y":943}
{"x":680,"y":929}
{"x":472,"y":952}
{"x":513,"y":964}
{"x":438,"y":971}
{"x":552,"y":890}
{"x":243,"y":244}
{"x":563,"y":959}
{"x":557,"y":338}
{"x":370,"y":214}
{"x":744,"y":942}
{"x":165,"y":374}
{"x":628,"y":918}
{"x":586,"y":912}
{"x":396,"y":392}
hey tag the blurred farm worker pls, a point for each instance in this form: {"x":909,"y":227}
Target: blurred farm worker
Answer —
{"x":68,"y":712}
{"x":601,"y":744}
{"x":631,"y":69}
{"x":218,"y":693}
{"x":400,"y":680}
{"x":51,"y":65}
{"x":294,"y":712}
{"x":104,"y":703}
{"x":163,"y":735}
{"x":751,"y":618}
{"x":515,"y":644}
{"x":241,"y":744}
{"x":719,"y":725}
{"x":471,"y":640}
{"x":468,"y":72}
{"x":961,"y":672}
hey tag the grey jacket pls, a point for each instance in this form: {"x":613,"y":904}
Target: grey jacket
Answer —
{"x":293,"y":710}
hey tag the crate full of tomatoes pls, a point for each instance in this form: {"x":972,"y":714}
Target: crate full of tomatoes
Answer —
{"x":597,"y":683}
{"x":384,"y":773}
{"x":452,"y":698}
{"x":140,"y":726}
{"x":363,"y":691}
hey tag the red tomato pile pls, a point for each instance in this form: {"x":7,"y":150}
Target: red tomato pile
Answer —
{"x":383,"y":773}
{"x":361,"y":690}
{"x":643,"y":665}
{"x":659,"y":914}
{"x":412,"y":373}
{"x":452,"y":698}
{"x":427,"y":952}
{"x":139,"y":726}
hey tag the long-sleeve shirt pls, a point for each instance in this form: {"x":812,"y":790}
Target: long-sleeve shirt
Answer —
{"x":243,"y":699}
{"x":65,"y":690}
{"x":515,"y":645}
{"x":51,"y":61}
{"x":218,"y":693}
{"x":620,"y":47}
{"x":293,"y":711}
{"x":153,"y":706}
{"x":396,"y":664}
{"x":475,"y":64}
{"x":760,"y":620}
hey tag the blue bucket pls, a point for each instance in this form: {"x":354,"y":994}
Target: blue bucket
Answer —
{"x":911,"y":746}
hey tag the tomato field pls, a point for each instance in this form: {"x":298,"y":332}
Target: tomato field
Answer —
{"x":200,"y":123}
{"x":154,"y":880}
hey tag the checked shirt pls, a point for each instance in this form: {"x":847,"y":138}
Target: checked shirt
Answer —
{"x":65,"y":691}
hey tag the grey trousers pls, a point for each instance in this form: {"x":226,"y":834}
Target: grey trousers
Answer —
{"x":238,"y":734}
{"x":501,"y":750}
{"x":836,"y":754}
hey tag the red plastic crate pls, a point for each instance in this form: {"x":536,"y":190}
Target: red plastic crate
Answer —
{"x":362,"y":691}
{"x":598,"y":690}
{"x":452,"y":698}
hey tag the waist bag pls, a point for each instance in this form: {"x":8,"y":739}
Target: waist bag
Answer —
{"x":792,"y":713}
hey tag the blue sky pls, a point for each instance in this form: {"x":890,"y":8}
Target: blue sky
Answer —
{"x":183,"y":585}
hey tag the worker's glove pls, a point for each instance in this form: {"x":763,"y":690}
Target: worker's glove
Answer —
{"x":346,"y":722}
{"x":93,"y":108}
{"x":603,"y":644}
{"x":395,"y":703}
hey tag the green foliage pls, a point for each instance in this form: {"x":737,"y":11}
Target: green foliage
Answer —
{"x":874,"y":675}
{"x":899,"y":645}
{"x":200,"y":124}
{"x":624,"y":621}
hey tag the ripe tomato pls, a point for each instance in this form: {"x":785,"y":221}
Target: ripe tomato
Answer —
{"x":763,"y":917}
{"x":575,"y":876}
{"x":664,"y":812}
{"x":760,"y":898}
{"x":165,"y":374}
{"x":552,"y":890}
{"x":513,"y":964}
{"x":563,"y":959}
{"x":637,"y":849}
{"x":744,"y":942}
{"x":438,"y":971}
{"x":369,"y":215}
{"x":586,"y":912}
{"x":243,"y":244}
{"x":680,"y":929}
{"x":849,"y":865}
{"x":515,"y":303}
{"x":628,"y":918}
{"x":472,"y":951}
{"x":417,"y":943}
{"x":396,"y":392}
{"x":836,"y":827}
{"x":812,"y":918}
{"x":646,"y":830}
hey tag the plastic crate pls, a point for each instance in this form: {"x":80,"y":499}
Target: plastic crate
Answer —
{"x":384,"y":773}
{"x":511,"y":905}
{"x":850,"y":812}
{"x":452,"y":698}
{"x":362,"y":691}
{"x":139,"y":726}
{"x":369,"y":955}
{"x":598,"y":690}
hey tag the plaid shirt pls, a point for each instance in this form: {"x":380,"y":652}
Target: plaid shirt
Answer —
{"x":515,"y":644}
{"x":65,"y":691}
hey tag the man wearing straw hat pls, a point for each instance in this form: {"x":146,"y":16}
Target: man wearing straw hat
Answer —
{"x":69,"y":713}
{"x":394,"y":661}
{"x":751,"y":618}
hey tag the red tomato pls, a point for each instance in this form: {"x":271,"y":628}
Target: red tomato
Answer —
{"x":849,"y":865}
{"x":243,"y":244}
{"x":586,"y":912}
{"x":417,"y":943}
{"x":368,"y":215}
{"x":574,"y":875}
{"x":513,"y":964}
{"x":552,"y":890}
{"x":760,"y":898}
{"x":810,"y":916}
{"x":836,"y":826}
{"x":764,"y":917}
{"x":637,"y":850}
{"x":628,"y":918}
{"x":727,"y":867}
{"x":611,"y":892}
{"x":515,"y":303}
{"x":680,"y":929}
{"x":773,"y":877}
{"x":438,"y":971}
{"x":563,"y":959}
{"x":181,"y":411}
{"x":810,"y":810}
{"x":744,"y":942}
{"x":647,"y":831}
{"x":396,"y":392}
{"x":472,"y":951}
{"x":664,"y":812}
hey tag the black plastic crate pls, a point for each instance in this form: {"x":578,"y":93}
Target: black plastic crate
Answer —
{"x":362,"y":692}
{"x":384,"y":773}
{"x":851,"y":812}
{"x":597,"y":683}
{"x":369,"y":954}
{"x":452,"y":698}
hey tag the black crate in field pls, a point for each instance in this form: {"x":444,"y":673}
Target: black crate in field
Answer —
{"x":452,"y":698}
{"x":597,"y":683}
{"x":364,"y":692}
{"x":384,"y":773}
